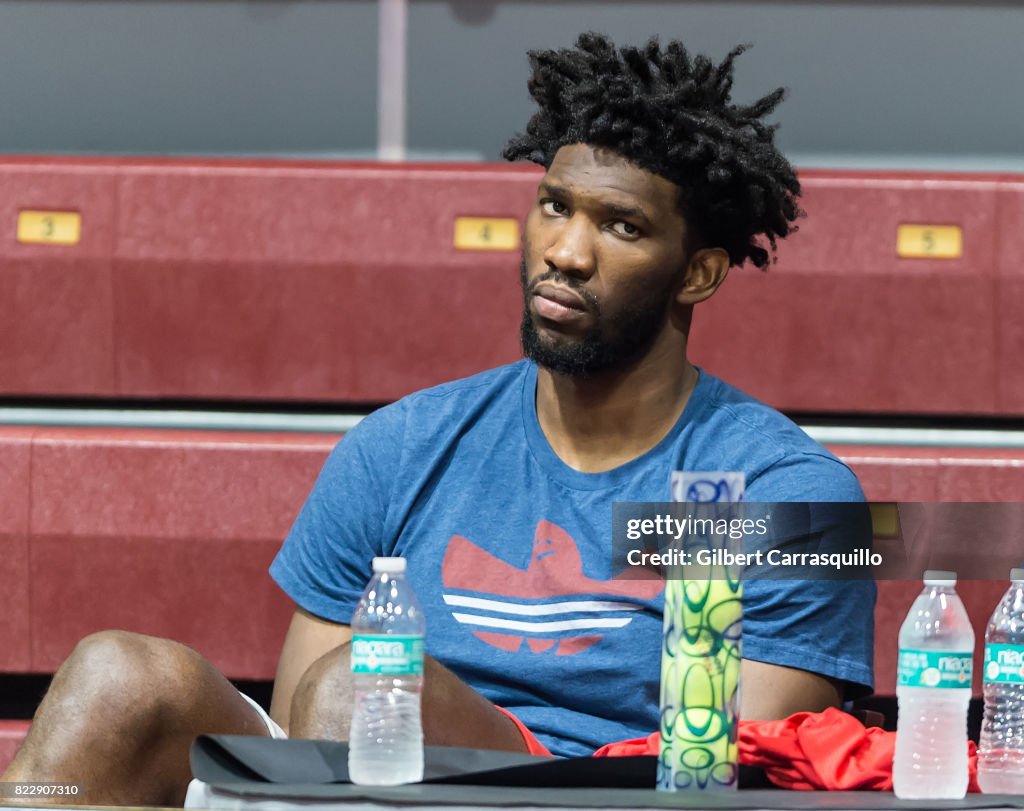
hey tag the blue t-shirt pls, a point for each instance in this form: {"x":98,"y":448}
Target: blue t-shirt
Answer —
{"x":509,"y":549}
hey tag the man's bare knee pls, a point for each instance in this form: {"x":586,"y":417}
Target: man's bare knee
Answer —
{"x":120,"y":674}
{"x":322,"y":702}
{"x":454,"y":714}
{"x":120,"y":716}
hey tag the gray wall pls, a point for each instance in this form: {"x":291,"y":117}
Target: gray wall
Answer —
{"x":199,"y":76}
{"x":872,"y":83}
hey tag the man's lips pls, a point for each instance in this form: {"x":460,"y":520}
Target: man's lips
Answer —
{"x":558,"y":303}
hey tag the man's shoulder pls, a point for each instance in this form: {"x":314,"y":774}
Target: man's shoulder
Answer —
{"x":454,"y":402}
{"x":482,"y":384}
{"x":783,"y":462}
{"x":763,"y":424}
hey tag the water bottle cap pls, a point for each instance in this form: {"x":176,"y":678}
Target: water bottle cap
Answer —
{"x":389,"y":565}
{"x":1017,"y":575}
{"x":939,"y":578}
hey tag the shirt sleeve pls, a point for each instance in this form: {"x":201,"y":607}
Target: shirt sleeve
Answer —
{"x":822,"y":626}
{"x":326,"y":560}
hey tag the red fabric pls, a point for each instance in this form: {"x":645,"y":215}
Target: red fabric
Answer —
{"x":634,"y":746}
{"x":810,"y":751}
{"x":533,"y":746}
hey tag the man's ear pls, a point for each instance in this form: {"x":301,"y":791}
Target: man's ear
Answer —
{"x":707,"y":269}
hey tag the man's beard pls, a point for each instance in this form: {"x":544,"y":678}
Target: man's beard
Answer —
{"x":602,"y":346}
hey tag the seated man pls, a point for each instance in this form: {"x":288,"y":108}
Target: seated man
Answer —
{"x":498,"y":489}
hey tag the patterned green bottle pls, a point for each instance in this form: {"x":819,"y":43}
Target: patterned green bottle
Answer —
{"x":700,"y":672}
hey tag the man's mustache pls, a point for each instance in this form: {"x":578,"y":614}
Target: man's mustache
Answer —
{"x":556,"y":276}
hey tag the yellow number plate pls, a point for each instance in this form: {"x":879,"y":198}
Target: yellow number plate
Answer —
{"x":50,"y":227}
{"x":930,"y":242}
{"x":885,"y":520}
{"x":486,"y":234}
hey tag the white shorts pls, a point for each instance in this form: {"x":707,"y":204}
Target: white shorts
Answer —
{"x":272,"y":726}
{"x":200,"y":795}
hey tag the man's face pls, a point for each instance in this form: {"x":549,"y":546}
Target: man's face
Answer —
{"x":603,"y":256}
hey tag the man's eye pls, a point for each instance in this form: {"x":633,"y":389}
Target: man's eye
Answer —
{"x":553,"y":207}
{"x":625,"y":229}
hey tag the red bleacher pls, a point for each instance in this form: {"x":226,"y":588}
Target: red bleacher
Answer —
{"x":937,"y":475}
{"x":341,"y":283}
{"x":303,"y":282}
{"x":269,"y":281}
{"x":852,"y":327}
{"x":170,"y":533}
{"x":12,"y":733}
{"x":892,"y":473}
{"x":163,"y":532}
{"x":1008,"y":324}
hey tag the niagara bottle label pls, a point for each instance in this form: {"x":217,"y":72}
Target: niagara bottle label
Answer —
{"x":1004,"y":664}
{"x":929,"y":668}
{"x":388,"y":655}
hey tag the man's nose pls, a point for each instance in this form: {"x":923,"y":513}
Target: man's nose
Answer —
{"x":572,"y":250}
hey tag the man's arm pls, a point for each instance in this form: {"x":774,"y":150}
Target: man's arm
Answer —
{"x":771,"y":692}
{"x":308,"y":639}
{"x":810,"y":643}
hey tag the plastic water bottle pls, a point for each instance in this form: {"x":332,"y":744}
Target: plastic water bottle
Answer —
{"x":1001,"y":752}
{"x":386,"y":739}
{"x":933,"y":690}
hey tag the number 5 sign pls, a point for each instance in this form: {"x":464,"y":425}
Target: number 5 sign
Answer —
{"x":929,"y":242}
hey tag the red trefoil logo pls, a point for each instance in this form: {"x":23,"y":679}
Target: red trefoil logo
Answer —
{"x":551,"y":605}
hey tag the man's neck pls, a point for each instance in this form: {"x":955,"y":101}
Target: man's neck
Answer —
{"x":603,"y":421}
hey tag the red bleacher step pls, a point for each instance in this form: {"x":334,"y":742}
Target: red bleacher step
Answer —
{"x":12,"y":733}
{"x":240,"y":280}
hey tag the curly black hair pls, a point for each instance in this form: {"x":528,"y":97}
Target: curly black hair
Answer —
{"x":671,"y":114}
